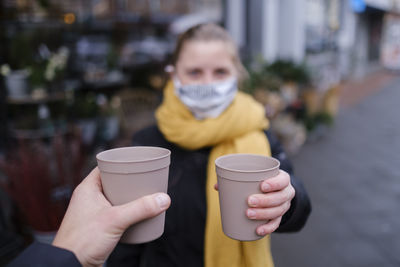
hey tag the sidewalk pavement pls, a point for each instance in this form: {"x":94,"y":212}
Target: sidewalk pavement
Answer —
{"x":353,"y":178}
{"x":354,"y":91}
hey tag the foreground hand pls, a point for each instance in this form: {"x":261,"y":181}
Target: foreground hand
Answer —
{"x":92,"y":227}
{"x":272,"y":204}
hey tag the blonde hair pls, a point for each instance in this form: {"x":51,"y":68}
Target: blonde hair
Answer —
{"x":210,"y":32}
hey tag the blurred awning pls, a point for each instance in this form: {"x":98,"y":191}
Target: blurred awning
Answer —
{"x":386,"y":5}
{"x":360,"y":6}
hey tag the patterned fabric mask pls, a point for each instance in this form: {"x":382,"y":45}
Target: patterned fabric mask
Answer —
{"x":207,"y":100}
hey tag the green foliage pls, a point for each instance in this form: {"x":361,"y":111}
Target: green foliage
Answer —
{"x":37,"y":70}
{"x":261,"y":79}
{"x":289,"y":72}
{"x":272,"y":76}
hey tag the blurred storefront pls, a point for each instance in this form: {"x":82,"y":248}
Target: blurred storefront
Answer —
{"x":341,"y":37}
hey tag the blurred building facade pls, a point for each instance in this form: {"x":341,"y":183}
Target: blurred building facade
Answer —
{"x":337,"y":38}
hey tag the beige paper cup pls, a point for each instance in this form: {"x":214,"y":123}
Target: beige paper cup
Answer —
{"x":129,"y":173}
{"x":239,"y":176}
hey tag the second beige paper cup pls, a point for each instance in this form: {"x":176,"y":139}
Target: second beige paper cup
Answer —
{"x":129,"y":173}
{"x":239,"y":176}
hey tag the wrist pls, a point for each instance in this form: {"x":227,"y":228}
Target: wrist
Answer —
{"x":64,"y":243}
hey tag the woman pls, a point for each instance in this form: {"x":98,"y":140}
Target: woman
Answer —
{"x":203,"y":116}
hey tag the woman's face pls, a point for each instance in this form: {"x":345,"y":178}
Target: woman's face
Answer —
{"x":204,"y":62}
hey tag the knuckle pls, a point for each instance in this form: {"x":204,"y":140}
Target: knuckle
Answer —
{"x":283,"y":209}
{"x":288,"y":194}
{"x":287,"y":207}
{"x":283,"y":183}
{"x":285,"y":175}
{"x":282,"y":198}
{"x":292,"y":192}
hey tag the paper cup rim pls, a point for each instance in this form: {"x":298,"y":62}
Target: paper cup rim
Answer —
{"x":217,"y":163}
{"x":168,"y":153}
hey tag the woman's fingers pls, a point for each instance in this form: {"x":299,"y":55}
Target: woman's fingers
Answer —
{"x":269,"y":227}
{"x":272,"y":199}
{"x":275,"y":183}
{"x":269,"y":213}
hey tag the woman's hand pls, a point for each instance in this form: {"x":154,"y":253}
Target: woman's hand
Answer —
{"x":272,"y":204}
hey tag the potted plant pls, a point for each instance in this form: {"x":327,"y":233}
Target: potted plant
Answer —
{"x":29,"y":69}
{"x":16,"y":71}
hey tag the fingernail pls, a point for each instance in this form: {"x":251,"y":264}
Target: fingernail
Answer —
{"x":261,"y":231}
{"x":251,"y":214}
{"x":253,"y":201}
{"x":162,"y":200}
{"x":265,"y":187}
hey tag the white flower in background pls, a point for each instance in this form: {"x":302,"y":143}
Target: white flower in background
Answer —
{"x":50,"y":72}
{"x":5,"y":69}
{"x":57,"y":62}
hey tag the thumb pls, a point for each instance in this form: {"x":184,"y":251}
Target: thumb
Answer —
{"x":140,"y":209}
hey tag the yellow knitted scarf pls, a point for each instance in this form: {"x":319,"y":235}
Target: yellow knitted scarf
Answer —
{"x":237,"y":130}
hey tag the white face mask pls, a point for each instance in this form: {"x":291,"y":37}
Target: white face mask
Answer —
{"x":207,"y":100}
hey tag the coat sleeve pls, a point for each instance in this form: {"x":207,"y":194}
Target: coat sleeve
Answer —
{"x":39,"y":254}
{"x":300,"y":208}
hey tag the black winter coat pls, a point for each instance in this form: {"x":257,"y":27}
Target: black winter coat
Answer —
{"x":42,"y":255}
